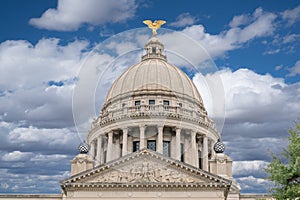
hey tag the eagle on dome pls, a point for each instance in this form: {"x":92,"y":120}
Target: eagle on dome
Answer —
{"x":154,"y":25}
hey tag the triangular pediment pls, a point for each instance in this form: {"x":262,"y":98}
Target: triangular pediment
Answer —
{"x":146,"y":168}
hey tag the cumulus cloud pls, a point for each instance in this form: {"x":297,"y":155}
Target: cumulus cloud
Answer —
{"x":184,"y":19}
{"x":240,"y":20}
{"x":48,"y":59}
{"x":254,"y":185}
{"x":16,"y":156}
{"x":250,"y":95}
{"x":292,"y":15}
{"x":242,"y":168}
{"x":71,"y":14}
{"x":295,"y":70}
{"x":50,"y":137}
{"x":260,"y":24}
{"x":44,"y":75}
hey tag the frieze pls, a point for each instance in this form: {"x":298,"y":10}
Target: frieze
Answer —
{"x":144,"y":172}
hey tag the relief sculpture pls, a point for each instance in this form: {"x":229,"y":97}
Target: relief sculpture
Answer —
{"x":143,"y":172}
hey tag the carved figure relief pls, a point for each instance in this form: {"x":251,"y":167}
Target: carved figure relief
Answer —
{"x":144,"y":172}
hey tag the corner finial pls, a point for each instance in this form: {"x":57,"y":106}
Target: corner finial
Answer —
{"x":154,"y":25}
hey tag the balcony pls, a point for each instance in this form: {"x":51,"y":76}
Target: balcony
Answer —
{"x":155,"y":111}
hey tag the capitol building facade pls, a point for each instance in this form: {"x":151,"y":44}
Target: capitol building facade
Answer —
{"x":152,"y":140}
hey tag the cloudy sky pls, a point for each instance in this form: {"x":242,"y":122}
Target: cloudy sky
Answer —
{"x":47,"y":48}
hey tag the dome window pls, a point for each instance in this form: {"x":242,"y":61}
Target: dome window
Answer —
{"x":137,"y":103}
{"x":166,"y":103}
{"x":151,"y":102}
{"x":136,"y":146}
{"x":166,"y":148}
{"x":151,"y":144}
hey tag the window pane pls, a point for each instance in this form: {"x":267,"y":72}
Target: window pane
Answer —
{"x":151,"y":102}
{"x":121,"y":149}
{"x":136,"y":146}
{"x":182,"y":151}
{"x":151,"y":144}
{"x":137,"y":103}
{"x":166,"y":148}
{"x":166,"y":103}
{"x":200,"y":159}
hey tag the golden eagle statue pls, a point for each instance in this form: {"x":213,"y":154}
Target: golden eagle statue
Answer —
{"x":154,"y":25}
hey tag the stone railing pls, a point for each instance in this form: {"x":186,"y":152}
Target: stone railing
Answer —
{"x":153,"y":111}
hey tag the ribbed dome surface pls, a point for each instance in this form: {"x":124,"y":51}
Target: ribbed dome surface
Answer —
{"x":154,"y":75}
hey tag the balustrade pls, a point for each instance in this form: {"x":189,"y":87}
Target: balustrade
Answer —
{"x":148,"y":110}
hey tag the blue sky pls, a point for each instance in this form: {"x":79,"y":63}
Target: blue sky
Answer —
{"x":45,"y":44}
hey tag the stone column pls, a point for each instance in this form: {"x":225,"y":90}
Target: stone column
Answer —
{"x":109,"y":146}
{"x":116,"y":146}
{"x":125,"y":141}
{"x":159,"y":140}
{"x":99,"y":150}
{"x":178,"y":146}
{"x":142,"y":137}
{"x":187,"y":154}
{"x":205,"y":154}
{"x":194,"y":149}
{"x":93,"y":149}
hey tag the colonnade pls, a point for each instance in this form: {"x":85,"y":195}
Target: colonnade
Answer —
{"x":103,"y":148}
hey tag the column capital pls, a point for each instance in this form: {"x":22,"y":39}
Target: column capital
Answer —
{"x":110,"y":133}
{"x":160,"y":127}
{"x":142,"y":126}
{"x":193,"y":133}
{"x":100,"y":136}
{"x":178,"y":130}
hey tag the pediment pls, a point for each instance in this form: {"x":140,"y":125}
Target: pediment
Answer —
{"x":146,"y":167}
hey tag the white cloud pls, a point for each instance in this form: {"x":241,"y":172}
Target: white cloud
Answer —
{"x":122,"y":47}
{"x":71,"y":14}
{"x":32,"y":97}
{"x":271,"y":52}
{"x":295,"y":70}
{"x":16,"y":156}
{"x":278,"y":67}
{"x":292,"y":15}
{"x":184,"y":19}
{"x":262,"y":24}
{"x":242,"y":168}
{"x":239,"y":20}
{"x":252,"y":97}
{"x":50,"y":137}
{"x":254,"y":185}
{"x":290,"y":38}
{"x":46,"y":61}
{"x":258,"y":109}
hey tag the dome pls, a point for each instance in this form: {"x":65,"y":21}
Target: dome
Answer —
{"x":153,"y":105}
{"x":154,"y":74}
